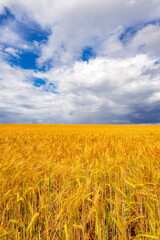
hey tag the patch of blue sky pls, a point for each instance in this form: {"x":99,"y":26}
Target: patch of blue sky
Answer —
{"x":87,"y":54}
{"x":157,"y":62}
{"x":153,"y":22}
{"x":46,"y":66}
{"x":128,"y":34}
{"x":43,"y":83}
{"x":51,"y":87}
{"x":6,"y":16}
{"x":29,"y":30}
{"x":32,"y":32}
{"x":38,"y":82}
{"x":26,"y":60}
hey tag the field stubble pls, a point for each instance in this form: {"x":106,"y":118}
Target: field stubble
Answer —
{"x":78,"y":182}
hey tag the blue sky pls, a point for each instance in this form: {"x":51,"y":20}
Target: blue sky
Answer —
{"x":94,"y":62}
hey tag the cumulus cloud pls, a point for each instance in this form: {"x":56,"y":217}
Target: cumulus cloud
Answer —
{"x":20,"y":100}
{"x":101,"y":91}
{"x":76,"y":24}
{"x":147,"y":40}
{"x":9,"y":36}
{"x":12,"y":42}
{"x":120,"y":85}
{"x":12,"y":51}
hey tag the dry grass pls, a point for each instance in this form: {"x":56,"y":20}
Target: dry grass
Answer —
{"x":79,"y":182}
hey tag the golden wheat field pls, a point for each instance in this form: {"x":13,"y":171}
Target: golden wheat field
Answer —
{"x":75,"y":182}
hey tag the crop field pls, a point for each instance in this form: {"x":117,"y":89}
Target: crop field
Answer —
{"x":79,"y":182}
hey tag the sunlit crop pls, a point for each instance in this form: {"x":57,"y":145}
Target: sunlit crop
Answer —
{"x":77,"y":182}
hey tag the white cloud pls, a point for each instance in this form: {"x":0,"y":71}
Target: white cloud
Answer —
{"x":76,"y":24}
{"x":2,"y":4}
{"x":9,"y":36}
{"x":102,"y":91}
{"x":20,"y":101}
{"x":112,"y":46}
{"x":147,"y":40}
{"x":121,"y":85}
{"x":12,"y":51}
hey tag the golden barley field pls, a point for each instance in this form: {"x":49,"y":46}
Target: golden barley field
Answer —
{"x":79,"y":182}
